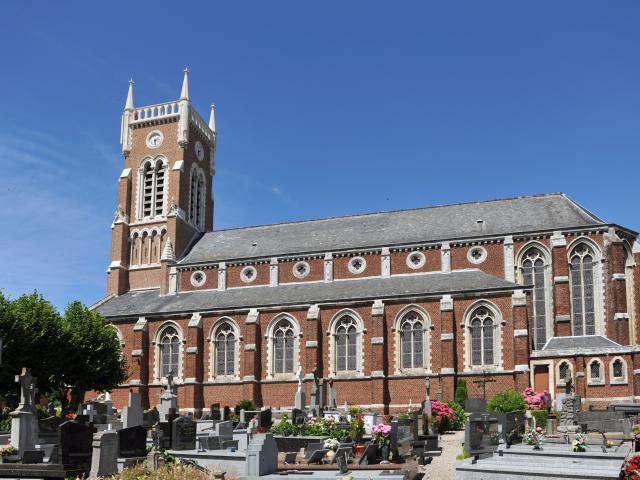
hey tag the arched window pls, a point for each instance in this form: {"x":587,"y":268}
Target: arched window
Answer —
{"x":224,"y":344}
{"x":595,"y":372}
{"x":197,"y":197}
{"x":618,"y":371}
{"x":533,"y":266}
{"x":564,"y":372}
{"x":583,"y":307}
{"x":346,"y":334}
{"x":151,"y":188}
{"x":283,"y":347}
{"x":481,"y":326}
{"x":412,"y":340}
{"x":169,"y":352}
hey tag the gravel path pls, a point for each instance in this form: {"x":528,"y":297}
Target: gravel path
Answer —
{"x":443,"y":467}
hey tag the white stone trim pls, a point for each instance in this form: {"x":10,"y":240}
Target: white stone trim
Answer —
{"x":446,"y":303}
{"x":518,"y":299}
{"x":351,"y":267}
{"x":579,"y":374}
{"x":559,"y":279}
{"x":194,"y":278}
{"x":509,"y":261}
{"x":192,"y":350}
{"x":385,"y":262}
{"x":154,"y":132}
{"x":377,"y":309}
{"x":560,"y":382}
{"x":445,"y":257}
{"x":636,"y":371}
{"x":420,"y":256}
{"x":273,"y":272}
{"x":137,"y":353}
{"x":126,"y":173}
{"x":558,"y":239}
{"x":618,"y":276}
{"x":156,"y":351}
{"x":249,"y":347}
{"x":311,"y":344}
{"x":596,"y":381}
{"x":252,"y":317}
{"x":377,"y":374}
{"x":618,"y":380}
{"x":483,"y":254}
{"x":497,"y":337}
{"x":520,"y":332}
{"x":304,"y":273}
{"x":178,"y":166}
{"x":297,"y":334}
{"x":563,"y":318}
{"x":328,"y":267}
{"x":314,"y":312}
{"x":222,"y":276}
{"x":521,"y":368}
{"x":377,"y":340}
{"x":446,"y":337}
{"x":142,"y":325}
{"x":447,"y":371}
{"x":195,"y":321}
{"x":332,"y":344}
{"x":621,"y":316}
{"x":426,"y":340}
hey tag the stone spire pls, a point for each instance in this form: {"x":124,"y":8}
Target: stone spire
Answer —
{"x":184,"y":95}
{"x":212,"y":118}
{"x":167,"y":253}
{"x":129,"y":104}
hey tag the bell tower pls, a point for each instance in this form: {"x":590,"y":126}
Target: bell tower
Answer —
{"x":165,"y":191}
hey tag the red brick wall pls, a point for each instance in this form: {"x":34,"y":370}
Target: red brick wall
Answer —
{"x":341,"y":269}
{"x":399,"y":262}
{"x":211,"y":281}
{"x":285,"y":271}
{"x":234,"y":280}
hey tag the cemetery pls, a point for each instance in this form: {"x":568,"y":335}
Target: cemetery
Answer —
{"x":513,"y":435}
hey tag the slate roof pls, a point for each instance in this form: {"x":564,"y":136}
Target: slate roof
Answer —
{"x":440,"y":223}
{"x":579,"y":343}
{"x":146,"y":302}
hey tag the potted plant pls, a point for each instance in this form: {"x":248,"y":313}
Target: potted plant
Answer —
{"x":356,"y":432}
{"x":631,"y":468}
{"x":332,"y":445}
{"x":9,"y":453}
{"x":382,"y":438}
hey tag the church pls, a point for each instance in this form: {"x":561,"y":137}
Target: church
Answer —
{"x":509,"y":293}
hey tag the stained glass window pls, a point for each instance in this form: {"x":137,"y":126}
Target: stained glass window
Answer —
{"x":169,"y":352}
{"x":412,"y":341}
{"x":346,"y":340}
{"x":481,"y":328}
{"x":533,"y":269}
{"x":225,"y":350}
{"x":283,"y":347}
{"x":581,"y":266}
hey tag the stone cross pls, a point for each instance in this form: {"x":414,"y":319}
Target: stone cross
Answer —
{"x":300,"y":378}
{"x":485,"y":379}
{"x":27,"y":387}
{"x":568,"y":387}
{"x":170,"y":383}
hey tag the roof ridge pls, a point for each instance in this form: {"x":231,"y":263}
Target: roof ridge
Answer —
{"x":357,"y":215}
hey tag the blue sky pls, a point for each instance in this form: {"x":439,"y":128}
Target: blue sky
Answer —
{"x":324,"y":108}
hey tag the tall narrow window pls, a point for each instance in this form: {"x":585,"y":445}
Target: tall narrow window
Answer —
{"x":581,"y":267}
{"x":481,"y":328}
{"x":412,"y":340}
{"x":197,"y":197}
{"x":564,"y":373}
{"x":283,"y":347}
{"x":152,"y":188}
{"x":159,"y":189}
{"x":533,"y":272}
{"x":169,"y":352}
{"x":225,"y":350}
{"x":147,"y":199}
{"x":346,"y":344}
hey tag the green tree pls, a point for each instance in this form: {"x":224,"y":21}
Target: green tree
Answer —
{"x":461,"y":392}
{"x":33,"y":337}
{"x":93,"y":354}
{"x":507,"y":401}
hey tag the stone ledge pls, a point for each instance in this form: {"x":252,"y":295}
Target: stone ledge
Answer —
{"x":447,"y":371}
{"x":377,"y":341}
{"x":137,"y":353}
{"x":520,"y":332}
{"x":563,"y":318}
{"x":621,"y":316}
{"x":561,"y":279}
{"x":446,"y":337}
{"x":311,"y":344}
{"x":250,"y":347}
{"x":192,"y":350}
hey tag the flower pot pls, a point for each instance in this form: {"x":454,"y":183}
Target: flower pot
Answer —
{"x":10,"y":458}
{"x":330,"y":454}
{"x":384,"y":453}
{"x":358,"y":450}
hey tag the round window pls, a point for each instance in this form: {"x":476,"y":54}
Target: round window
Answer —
{"x":248,"y":274}
{"x":198,"y":278}
{"x":301,"y":269}
{"x":477,"y":255}
{"x":416,"y":260}
{"x":357,"y":265}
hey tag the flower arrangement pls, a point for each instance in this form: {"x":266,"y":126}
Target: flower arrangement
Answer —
{"x":71,"y":416}
{"x":631,"y":468}
{"x":8,"y":449}
{"x":381,"y":434}
{"x":354,"y":410}
{"x":536,"y":401}
{"x":442,"y":416}
{"x":533,"y":437}
{"x":331,"y":444}
{"x":356,"y":429}
{"x":579,"y":443}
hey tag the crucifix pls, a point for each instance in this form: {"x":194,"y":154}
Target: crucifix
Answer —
{"x":170,"y":382}
{"x":484,"y":380}
{"x":27,"y":387}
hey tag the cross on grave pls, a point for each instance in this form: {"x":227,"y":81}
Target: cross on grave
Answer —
{"x":170,"y":381}
{"x":484,"y":380}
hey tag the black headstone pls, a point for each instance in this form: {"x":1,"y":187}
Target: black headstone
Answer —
{"x":74,"y":440}
{"x":297,"y":417}
{"x":161,"y":435}
{"x":227,"y":413}
{"x":48,"y":428}
{"x":132,"y":442}
{"x":264,"y":418}
{"x":475,"y":405}
{"x":481,"y":435}
{"x":215,"y":411}
{"x":184,"y":434}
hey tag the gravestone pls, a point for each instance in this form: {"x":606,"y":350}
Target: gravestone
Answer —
{"x":24,"y":420}
{"x":48,"y":429}
{"x":513,"y":426}
{"x":332,"y":395}
{"x":215,"y":411}
{"x":161,"y":435}
{"x":571,"y":405}
{"x":32,"y":456}
{"x":75,"y":444}
{"x":132,"y":442}
{"x":481,"y":435}
{"x":297,"y":416}
{"x":224,"y":430}
{"x":132,"y":414}
{"x":104,"y":461}
{"x":262,"y":456}
{"x":184,"y":434}
{"x":370,"y":419}
{"x":475,"y":405}
{"x":150,"y":418}
{"x":226,"y":413}
{"x":264,"y":418}
{"x":404,"y":440}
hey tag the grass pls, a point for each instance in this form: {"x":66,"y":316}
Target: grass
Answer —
{"x":170,"y":472}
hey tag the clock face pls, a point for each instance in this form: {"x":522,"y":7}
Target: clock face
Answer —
{"x":154,"y":139}
{"x":199,"y":151}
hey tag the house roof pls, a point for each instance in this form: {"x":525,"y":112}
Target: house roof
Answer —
{"x":579,"y":343}
{"x":402,"y":227}
{"x":148,"y":302}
